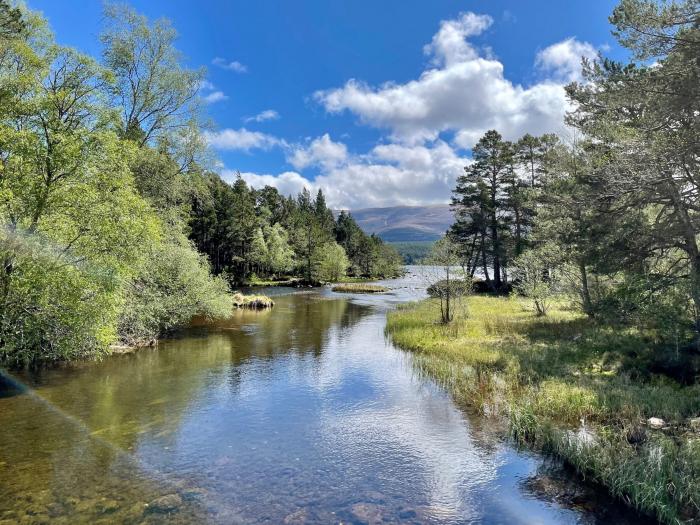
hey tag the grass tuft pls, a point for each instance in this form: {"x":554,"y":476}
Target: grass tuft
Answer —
{"x":255,"y":302}
{"x":359,"y":288}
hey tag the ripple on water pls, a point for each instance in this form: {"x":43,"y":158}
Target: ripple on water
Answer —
{"x":306,"y":414}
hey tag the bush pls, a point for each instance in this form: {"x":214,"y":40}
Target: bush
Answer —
{"x":173,"y":285}
{"x":50,"y":311}
{"x":453,"y":287}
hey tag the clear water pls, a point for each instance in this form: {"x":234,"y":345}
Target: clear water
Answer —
{"x":305,"y":414}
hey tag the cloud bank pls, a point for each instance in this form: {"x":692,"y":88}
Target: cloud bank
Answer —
{"x":429,"y":122}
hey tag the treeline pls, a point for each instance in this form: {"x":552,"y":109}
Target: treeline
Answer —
{"x":105,"y":198}
{"x":610,"y":214}
{"x":250,"y":234}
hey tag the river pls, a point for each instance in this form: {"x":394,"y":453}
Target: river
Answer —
{"x":303,"y":414}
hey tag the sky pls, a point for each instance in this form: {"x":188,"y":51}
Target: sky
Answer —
{"x":377,"y":102}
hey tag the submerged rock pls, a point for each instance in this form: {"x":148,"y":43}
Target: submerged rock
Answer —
{"x":367,"y":512}
{"x":165,"y":504}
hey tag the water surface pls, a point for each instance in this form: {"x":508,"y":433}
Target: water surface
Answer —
{"x":305,"y":414}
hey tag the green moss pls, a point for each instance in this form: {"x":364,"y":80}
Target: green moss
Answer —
{"x":564,"y":383}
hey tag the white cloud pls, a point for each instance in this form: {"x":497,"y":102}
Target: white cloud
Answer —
{"x":233,"y":65}
{"x":389,"y":175}
{"x":209,"y":94}
{"x":449,"y":45}
{"x":288,"y":183}
{"x":562,"y":60}
{"x":322,"y":151}
{"x":464,"y":93}
{"x":268,"y":114}
{"x":214,"y":96}
{"x":430,"y":120}
{"x":241,"y":139}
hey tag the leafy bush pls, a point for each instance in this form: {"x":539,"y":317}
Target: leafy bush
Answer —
{"x":173,"y":285}
{"x":453,"y":287}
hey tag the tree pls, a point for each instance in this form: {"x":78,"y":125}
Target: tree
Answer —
{"x":280,"y":255}
{"x":642,"y":121}
{"x":481,"y":200}
{"x":450,"y":282}
{"x":537,"y":275}
{"x":154,"y":92}
{"x":330,"y":263}
{"x":12,"y":24}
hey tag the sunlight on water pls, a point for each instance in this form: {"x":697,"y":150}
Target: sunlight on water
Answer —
{"x":306,"y":414}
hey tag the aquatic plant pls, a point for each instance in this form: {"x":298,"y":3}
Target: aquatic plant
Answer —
{"x":256,"y":302}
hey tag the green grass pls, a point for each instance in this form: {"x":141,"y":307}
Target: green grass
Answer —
{"x":282,"y":281}
{"x":359,"y":288}
{"x":256,"y":302}
{"x":568,"y":386}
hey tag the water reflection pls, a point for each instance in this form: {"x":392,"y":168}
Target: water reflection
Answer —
{"x":300,"y":415}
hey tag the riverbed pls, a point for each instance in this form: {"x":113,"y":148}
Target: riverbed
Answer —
{"x":303,"y":414}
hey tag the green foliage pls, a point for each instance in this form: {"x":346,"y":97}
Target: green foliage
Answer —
{"x":330,"y":264}
{"x":454,"y":288}
{"x":92,"y":245}
{"x":359,"y":288}
{"x":537,"y":275}
{"x":412,"y":252}
{"x":172,"y":285}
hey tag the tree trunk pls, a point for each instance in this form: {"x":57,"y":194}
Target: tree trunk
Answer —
{"x":585,"y":292}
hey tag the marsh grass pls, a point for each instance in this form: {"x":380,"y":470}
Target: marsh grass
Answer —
{"x":255,"y":302}
{"x":571,"y":387}
{"x":359,"y":288}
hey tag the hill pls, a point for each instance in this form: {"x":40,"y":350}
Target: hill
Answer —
{"x":405,"y":223}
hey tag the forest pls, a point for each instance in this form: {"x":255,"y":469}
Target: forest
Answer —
{"x":115,"y":228}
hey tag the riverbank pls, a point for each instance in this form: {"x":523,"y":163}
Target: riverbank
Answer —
{"x":570,"y":387}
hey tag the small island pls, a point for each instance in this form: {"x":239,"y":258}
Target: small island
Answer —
{"x":359,"y":288}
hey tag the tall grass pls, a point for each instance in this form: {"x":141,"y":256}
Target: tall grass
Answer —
{"x":359,"y":288}
{"x":568,"y":386}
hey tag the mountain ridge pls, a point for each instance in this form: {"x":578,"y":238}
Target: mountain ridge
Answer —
{"x":405,"y":223}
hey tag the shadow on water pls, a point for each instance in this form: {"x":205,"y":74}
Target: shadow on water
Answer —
{"x":9,"y":387}
{"x":305,"y":414}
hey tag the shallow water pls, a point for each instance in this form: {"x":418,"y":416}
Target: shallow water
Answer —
{"x":305,"y":414}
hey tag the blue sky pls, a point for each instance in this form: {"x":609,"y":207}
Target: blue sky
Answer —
{"x":375,"y":101}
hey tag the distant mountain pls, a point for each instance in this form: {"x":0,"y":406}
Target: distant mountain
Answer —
{"x":406,"y":223}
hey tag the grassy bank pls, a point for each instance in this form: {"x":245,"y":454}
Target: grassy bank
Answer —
{"x":571,"y":387}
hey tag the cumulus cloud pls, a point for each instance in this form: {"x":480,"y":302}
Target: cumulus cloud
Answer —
{"x":449,"y":45}
{"x":389,"y":175}
{"x":241,"y":139}
{"x":232,"y":65}
{"x":464,"y":93}
{"x":430,"y":120}
{"x":562,"y":60}
{"x":322,"y":151}
{"x":209,"y":94}
{"x":268,"y":114}
{"x":288,"y":183}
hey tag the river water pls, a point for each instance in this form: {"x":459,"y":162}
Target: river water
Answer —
{"x":304,"y":414}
